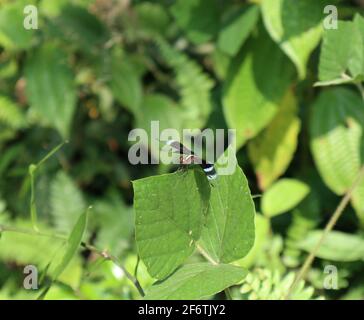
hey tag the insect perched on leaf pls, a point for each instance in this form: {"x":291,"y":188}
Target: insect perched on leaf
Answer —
{"x":188,"y":157}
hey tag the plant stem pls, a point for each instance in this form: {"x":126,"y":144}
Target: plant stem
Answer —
{"x":329,"y":226}
{"x":90,"y":247}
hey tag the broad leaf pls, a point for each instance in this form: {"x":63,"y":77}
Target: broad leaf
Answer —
{"x":50,"y":87}
{"x":236,"y":29}
{"x":283,"y":196}
{"x":337,"y":127}
{"x":339,"y":62}
{"x":272,"y":150}
{"x":13,"y":35}
{"x":169,"y":212}
{"x":255,"y":87}
{"x":196,"y":281}
{"x":228,"y":234}
{"x":337,"y":246}
{"x":296,"y":26}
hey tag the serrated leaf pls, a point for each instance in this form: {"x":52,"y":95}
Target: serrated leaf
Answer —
{"x":229,"y":232}
{"x":283,"y":196}
{"x":255,"y":87}
{"x":50,"y":87}
{"x":66,"y":202}
{"x":337,"y":246}
{"x":296,"y":26}
{"x":196,"y":281}
{"x":236,"y":29}
{"x":198,"y":18}
{"x":340,"y":63}
{"x":273,"y":149}
{"x":169,"y":212}
{"x":337,"y":140}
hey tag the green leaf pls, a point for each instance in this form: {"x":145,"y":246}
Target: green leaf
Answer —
{"x":73,"y":243}
{"x":10,"y":113}
{"x":272,"y":150}
{"x":255,"y":87}
{"x":50,"y":87}
{"x":283,"y":196}
{"x":340,"y":63}
{"x":198,"y":18}
{"x":337,"y":246}
{"x":125,"y":83}
{"x":296,"y":26}
{"x":78,"y":26}
{"x":228,"y":234}
{"x":337,"y":140}
{"x":169,"y":212}
{"x":66,"y":202}
{"x":196,"y":281}
{"x":237,"y":28}
{"x":13,"y":35}
{"x":152,"y":17}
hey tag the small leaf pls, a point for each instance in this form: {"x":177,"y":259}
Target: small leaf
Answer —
{"x":337,"y":246}
{"x":296,"y":26}
{"x":50,"y":87}
{"x":228,"y":234}
{"x":169,"y":212}
{"x":73,"y":243}
{"x":196,"y":281}
{"x":237,"y":29}
{"x":283,"y":196}
{"x":272,"y":150}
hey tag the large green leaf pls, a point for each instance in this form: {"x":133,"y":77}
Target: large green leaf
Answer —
{"x":283,"y":196}
{"x":337,"y":140}
{"x":169,"y":212}
{"x":296,"y":26}
{"x":50,"y":87}
{"x":66,"y":202}
{"x":337,"y":246}
{"x":196,"y":281}
{"x":339,"y":62}
{"x":255,"y":86}
{"x":229,"y":232}
{"x":237,"y":28}
{"x":198,"y":18}
{"x":273,"y":149}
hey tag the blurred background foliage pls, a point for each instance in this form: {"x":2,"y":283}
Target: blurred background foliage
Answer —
{"x":95,"y":69}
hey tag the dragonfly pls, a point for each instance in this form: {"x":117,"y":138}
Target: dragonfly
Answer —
{"x":188,"y":157}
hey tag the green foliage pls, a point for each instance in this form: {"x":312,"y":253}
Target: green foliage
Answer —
{"x":196,"y":281}
{"x":283,"y":196}
{"x":95,"y":70}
